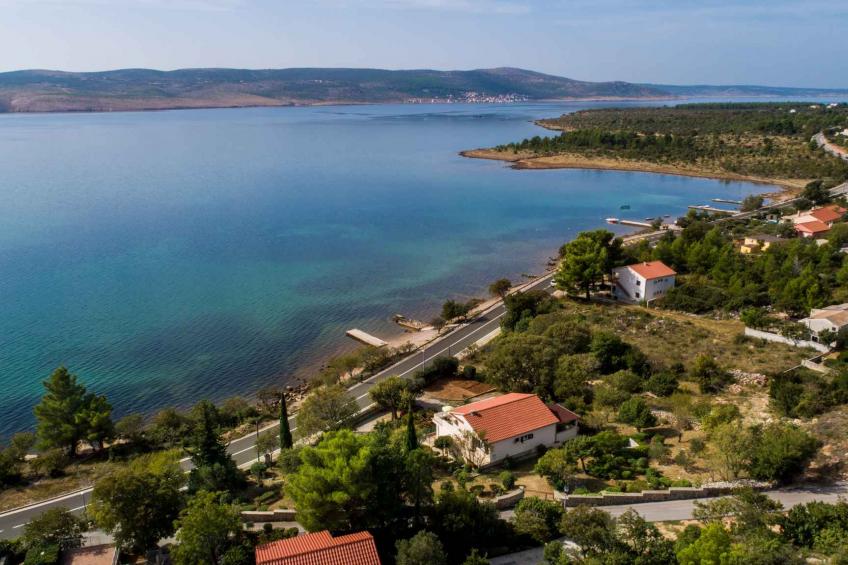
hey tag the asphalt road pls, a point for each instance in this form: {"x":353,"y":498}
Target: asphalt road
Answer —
{"x":243,"y":450}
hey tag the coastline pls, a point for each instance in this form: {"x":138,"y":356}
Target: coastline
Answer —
{"x":520,"y":161}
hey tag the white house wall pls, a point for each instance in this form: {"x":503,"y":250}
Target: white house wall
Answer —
{"x":638,"y":288}
{"x":511,"y":448}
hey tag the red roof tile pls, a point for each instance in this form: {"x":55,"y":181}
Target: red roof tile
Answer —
{"x":320,"y":548}
{"x":813,"y":227}
{"x":828,"y":214}
{"x":563,"y":414}
{"x":507,"y":416}
{"x":652,"y":270}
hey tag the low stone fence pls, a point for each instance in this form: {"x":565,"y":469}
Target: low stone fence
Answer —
{"x":279,"y":515}
{"x":506,"y":500}
{"x":616,"y":498}
{"x":815,"y":366}
{"x":769,"y":336}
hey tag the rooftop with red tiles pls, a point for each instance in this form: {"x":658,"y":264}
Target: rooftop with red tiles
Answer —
{"x":652,"y":270}
{"x":813,"y":227}
{"x":828,"y":214}
{"x":320,"y":548}
{"x":507,"y":416}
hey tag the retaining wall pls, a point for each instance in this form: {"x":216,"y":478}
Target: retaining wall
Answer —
{"x":279,"y":515}
{"x":616,"y":498}
{"x":768,"y":336}
{"x":508,"y":499}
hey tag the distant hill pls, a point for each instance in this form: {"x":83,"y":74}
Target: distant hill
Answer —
{"x":726,"y":91}
{"x":145,"y":89}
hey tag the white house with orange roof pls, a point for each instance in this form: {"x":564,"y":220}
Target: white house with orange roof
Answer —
{"x":826,"y":214}
{"x":486,"y":432}
{"x":642,"y":281}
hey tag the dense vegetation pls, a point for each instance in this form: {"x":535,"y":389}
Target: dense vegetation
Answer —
{"x":765,"y":140}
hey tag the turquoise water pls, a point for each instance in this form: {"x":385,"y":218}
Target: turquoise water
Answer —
{"x":166,"y":257}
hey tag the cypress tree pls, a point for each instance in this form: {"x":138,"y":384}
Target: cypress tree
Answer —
{"x":411,"y":435}
{"x":285,"y":432}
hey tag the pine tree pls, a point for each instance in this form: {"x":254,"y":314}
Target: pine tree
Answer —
{"x":58,"y":411}
{"x":411,"y":435}
{"x":285,"y":432}
{"x":214,"y":470}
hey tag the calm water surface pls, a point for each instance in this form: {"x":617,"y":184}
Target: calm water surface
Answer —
{"x":166,"y":257}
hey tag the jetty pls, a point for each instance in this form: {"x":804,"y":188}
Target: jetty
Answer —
{"x":634,"y":223}
{"x":366,"y":338}
{"x":409,"y":323}
{"x":712,"y":209}
{"x":628,"y":223}
{"x":727,"y":201}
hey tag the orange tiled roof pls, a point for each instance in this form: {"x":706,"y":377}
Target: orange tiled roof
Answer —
{"x":652,"y":270}
{"x":563,"y":414}
{"x":507,"y":416}
{"x":828,"y":213}
{"x":816,"y":226}
{"x":320,"y":548}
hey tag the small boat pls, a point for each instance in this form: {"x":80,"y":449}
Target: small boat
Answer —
{"x":612,"y":220}
{"x":649,"y":219}
{"x":666,"y":215}
{"x":625,"y":207}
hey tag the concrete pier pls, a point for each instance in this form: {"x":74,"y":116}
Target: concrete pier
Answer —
{"x":365,"y":338}
{"x":713,"y":209}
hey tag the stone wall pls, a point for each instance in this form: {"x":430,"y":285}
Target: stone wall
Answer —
{"x":508,"y":499}
{"x":616,"y":498}
{"x":279,"y":515}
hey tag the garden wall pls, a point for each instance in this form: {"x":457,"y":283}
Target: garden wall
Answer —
{"x":279,"y":515}
{"x":616,"y":498}
{"x":768,"y":336}
{"x":508,"y":499}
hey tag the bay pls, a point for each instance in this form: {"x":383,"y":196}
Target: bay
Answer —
{"x":166,"y":257}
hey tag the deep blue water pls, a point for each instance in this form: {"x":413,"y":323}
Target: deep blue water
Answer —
{"x":166,"y":257}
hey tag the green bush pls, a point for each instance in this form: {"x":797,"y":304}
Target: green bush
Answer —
{"x":42,"y":555}
{"x":507,"y":479}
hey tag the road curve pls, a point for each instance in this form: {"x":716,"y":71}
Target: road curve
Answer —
{"x":243,"y":449}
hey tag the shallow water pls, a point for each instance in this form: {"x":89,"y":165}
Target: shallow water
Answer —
{"x":166,"y":257}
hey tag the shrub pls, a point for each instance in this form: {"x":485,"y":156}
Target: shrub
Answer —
{"x":636,"y":412}
{"x":507,"y":479}
{"x":708,"y":374}
{"x":51,"y":463}
{"x":664,"y":383}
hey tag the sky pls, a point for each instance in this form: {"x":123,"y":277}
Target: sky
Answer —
{"x":776,"y":42}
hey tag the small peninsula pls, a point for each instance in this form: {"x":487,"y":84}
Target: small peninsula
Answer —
{"x":762,"y":142}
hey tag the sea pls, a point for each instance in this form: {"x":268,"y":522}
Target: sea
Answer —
{"x":166,"y":257}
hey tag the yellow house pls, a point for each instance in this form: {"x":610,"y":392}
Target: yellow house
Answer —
{"x":755,"y":243}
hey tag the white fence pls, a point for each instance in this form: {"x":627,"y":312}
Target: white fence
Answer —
{"x":768,"y":336}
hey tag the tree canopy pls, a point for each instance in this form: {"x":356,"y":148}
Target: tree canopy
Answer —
{"x":138,"y":503}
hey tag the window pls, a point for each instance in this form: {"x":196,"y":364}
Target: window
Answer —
{"x":638,"y":282}
{"x":637,"y":295}
{"x":523,"y":438}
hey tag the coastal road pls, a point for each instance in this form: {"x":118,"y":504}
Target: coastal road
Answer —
{"x":243,"y":449}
